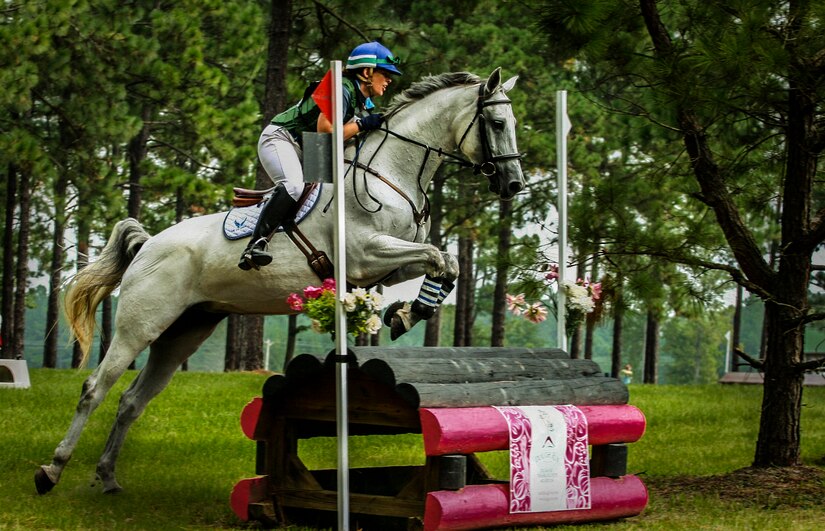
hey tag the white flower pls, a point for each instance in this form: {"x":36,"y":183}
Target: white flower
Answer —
{"x":349,"y":301}
{"x":360,"y":294}
{"x":316,"y":326}
{"x":377,"y":300}
{"x":578,"y":297}
{"x":373,"y":324}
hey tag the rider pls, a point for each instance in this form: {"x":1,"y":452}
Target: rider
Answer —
{"x":368,"y":73}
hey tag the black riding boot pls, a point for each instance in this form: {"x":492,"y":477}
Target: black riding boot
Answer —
{"x":276,"y":210}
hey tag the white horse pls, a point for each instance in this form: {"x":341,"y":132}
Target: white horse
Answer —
{"x":175,"y":287}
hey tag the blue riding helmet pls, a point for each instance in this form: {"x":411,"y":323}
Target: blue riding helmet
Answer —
{"x":373,"y":55}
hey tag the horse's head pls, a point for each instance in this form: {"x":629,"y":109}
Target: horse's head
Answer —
{"x":494,"y":149}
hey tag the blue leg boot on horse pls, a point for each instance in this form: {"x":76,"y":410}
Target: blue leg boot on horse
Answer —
{"x":277,"y":210}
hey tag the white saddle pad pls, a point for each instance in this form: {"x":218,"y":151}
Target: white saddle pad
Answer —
{"x":240,"y":222}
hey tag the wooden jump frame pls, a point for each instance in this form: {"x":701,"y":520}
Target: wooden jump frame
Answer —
{"x":445,"y":394}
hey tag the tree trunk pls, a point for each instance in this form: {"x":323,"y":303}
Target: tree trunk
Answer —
{"x":736,"y":333}
{"x":291,"y":336}
{"x":432,"y":330}
{"x":248,"y":346}
{"x":464,"y":289}
{"x":779,"y":423}
{"x":576,"y":336}
{"x":105,"y":328}
{"x":274,"y":101}
{"x":232,"y":358}
{"x":18,"y":339}
{"x":252,"y":356}
{"x":505,"y":209}
{"x":55,"y":273}
{"x":81,"y":261}
{"x":591,"y":319}
{"x":618,"y":316}
{"x":6,"y":332}
{"x":651,"y":375}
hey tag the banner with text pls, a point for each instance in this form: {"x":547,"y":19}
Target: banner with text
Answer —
{"x":549,"y":466}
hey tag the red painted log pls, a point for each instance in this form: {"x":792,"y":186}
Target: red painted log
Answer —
{"x":485,"y":506}
{"x":249,"y":416}
{"x":483,"y":429}
{"x":246,"y":491}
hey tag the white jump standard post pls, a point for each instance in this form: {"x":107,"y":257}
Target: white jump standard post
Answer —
{"x":340,"y":288}
{"x":562,"y":128}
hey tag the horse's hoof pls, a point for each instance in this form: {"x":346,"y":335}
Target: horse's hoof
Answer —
{"x":390,"y":312}
{"x":397,"y":328}
{"x":113,"y":489}
{"x":42,"y":481}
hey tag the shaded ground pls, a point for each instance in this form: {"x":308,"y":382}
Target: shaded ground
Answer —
{"x":787,"y":487}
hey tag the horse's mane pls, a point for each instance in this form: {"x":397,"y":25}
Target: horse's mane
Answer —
{"x":427,"y":86}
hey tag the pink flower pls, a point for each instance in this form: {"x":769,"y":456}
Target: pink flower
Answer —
{"x":313,"y":292}
{"x":296,"y":303}
{"x":515,"y":303}
{"x":536,"y":313}
{"x":553,"y":274}
{"x":596,"y":290}
{"x":329,"y":284}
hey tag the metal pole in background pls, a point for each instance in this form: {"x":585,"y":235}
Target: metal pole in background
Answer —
{"x":562,"y":128}
{"x":341,"y":406}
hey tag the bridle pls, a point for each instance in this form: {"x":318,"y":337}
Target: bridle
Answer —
{"x":489,"y":157}
{"x":486,"y":168}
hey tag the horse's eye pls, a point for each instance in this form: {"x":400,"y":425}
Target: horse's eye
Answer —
{"x":498,"y":124}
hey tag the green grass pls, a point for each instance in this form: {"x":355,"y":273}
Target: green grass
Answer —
{"x":183,"y":456}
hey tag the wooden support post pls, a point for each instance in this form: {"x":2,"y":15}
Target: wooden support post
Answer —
{"x":608,"y":460}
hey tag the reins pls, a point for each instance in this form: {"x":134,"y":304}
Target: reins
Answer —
{"x":486,"y":168}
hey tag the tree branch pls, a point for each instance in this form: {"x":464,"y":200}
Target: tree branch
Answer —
{"x":811,"y":365}
{"x":713,"y":190}
{"x":756,"y":364}
{"x":330,"y":12}
{"x":811,"y":318}
{"x":736,"y":274}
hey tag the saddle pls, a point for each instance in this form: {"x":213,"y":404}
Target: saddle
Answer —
{"x":245,"y":198}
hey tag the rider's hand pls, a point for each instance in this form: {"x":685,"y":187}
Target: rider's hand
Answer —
{"x":370,"y":122}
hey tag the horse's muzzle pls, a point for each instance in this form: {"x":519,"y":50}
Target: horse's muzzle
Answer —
{"x":506,"y":184}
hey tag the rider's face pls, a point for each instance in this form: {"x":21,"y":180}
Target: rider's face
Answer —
{"x":380,"y":81}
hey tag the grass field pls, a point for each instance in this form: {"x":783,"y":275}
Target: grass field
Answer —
{"x":184,"y":455}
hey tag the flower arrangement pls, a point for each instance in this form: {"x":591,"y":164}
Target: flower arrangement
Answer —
{"x":581,"y":298}
{"x":535,"y":312}
{"x":318,"y":303}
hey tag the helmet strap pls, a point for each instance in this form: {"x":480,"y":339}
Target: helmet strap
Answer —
{"x":366,"y":79}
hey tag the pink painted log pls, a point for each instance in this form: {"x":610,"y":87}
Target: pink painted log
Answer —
{"x":485,"y":506}
{"x":249,"y":416}
{"x":483,"y":429}
{"x":247,"y":491}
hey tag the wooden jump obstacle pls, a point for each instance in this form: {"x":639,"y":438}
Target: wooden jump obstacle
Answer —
{"x":446,"y":394}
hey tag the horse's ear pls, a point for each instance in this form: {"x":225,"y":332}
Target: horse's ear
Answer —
{"x":509,"y":84}
{"x":493,"y":82}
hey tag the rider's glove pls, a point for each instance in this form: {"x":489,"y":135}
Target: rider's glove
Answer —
{"x":370,"y":122}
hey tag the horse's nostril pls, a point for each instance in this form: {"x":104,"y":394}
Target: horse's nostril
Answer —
{"x":515,"y":187}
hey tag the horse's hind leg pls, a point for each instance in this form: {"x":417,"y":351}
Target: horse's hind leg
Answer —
{"x":165,"y":356}
{"x":95,"y":388}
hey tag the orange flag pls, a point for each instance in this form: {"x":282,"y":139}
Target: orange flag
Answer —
{"x":323,"y":95}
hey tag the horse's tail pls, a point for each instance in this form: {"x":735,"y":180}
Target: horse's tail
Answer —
{"x":97,"y":280}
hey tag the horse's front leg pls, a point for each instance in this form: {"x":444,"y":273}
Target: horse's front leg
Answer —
{"x":440,"y":271}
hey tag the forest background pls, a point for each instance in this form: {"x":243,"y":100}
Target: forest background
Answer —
{"x":152,"y":110}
